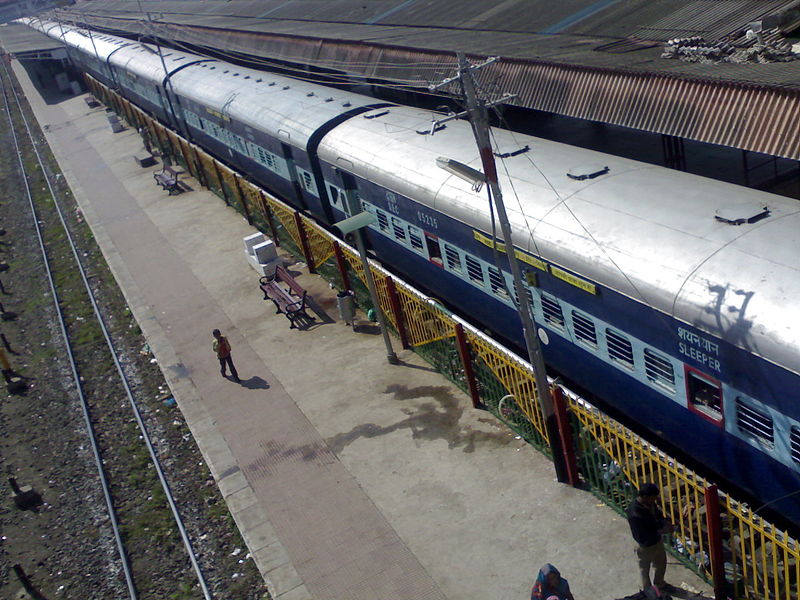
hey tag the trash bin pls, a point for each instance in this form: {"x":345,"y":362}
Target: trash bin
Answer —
{"x":346,"y":304}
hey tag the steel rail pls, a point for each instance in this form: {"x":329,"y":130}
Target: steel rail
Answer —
{"x":84,"y":406}
{"x":123,"y":379}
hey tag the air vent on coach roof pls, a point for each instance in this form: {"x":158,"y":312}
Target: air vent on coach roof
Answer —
{"x":377,"y":114}
{"x":587,"y":172}
{"x":741,"y":214}
{"x":513,"y":152}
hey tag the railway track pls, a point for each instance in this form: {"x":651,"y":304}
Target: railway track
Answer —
{"x":94,"y":412}
{"x":137,"y":499}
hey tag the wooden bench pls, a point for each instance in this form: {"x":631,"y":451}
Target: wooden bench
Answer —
{"x":288,"y":296}
{"x":167,"y":178}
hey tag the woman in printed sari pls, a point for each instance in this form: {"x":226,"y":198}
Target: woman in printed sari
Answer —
{"x":549,"y":585}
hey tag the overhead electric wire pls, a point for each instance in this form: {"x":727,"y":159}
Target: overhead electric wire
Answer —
{"x":562,"y":201}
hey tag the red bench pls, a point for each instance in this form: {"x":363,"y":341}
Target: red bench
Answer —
{"x":288,"y":296}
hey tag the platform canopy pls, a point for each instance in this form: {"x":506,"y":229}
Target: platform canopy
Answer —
{"x":24,"y":42}
{"x":719,"y":71}
{"x":15,"y":9}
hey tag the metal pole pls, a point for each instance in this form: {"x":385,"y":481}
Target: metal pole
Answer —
{"x":715,"y":549}
{"x":373,"y":293}
{"x":480,"y":129}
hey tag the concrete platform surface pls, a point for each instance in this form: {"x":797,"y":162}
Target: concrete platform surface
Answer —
{"x":349,"y":478}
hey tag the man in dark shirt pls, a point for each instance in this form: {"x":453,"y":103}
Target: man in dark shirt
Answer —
{"x":648,"y":524}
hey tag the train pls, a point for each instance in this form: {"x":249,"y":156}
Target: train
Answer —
{"x":666,"y":296}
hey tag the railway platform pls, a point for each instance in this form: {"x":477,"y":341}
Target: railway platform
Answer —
{"x":349,"y":478}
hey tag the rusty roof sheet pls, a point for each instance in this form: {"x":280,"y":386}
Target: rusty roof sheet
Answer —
{"x":579,"y":58}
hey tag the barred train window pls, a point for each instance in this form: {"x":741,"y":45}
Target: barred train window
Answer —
{"x":755,"y":423}
{"x":496,"y":282}
{"x":794,"y":442}
{"x":399,"y":230}
{"x":704,"y":396}
{"x":552,"y":311}
{"x":383,"y":221}
{"x":531,"y":302}
{"x":585,"y":330}
{"x":659,"y":369}
{"x":619,"y":348}
{"x":453,"y":259}
{"x":415,"y":237}
{"x":474,"y":270}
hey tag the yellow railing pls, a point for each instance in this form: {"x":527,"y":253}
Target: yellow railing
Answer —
{"x":320,"y":242}
{"x":761,"y":562}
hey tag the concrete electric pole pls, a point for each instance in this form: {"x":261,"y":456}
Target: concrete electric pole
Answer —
{"x":476,"y":112}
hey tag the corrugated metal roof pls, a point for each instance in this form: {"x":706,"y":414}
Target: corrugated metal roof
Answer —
{"x":742,"y":116}
{"x":15,"y":9}
{"x":711,"y":19}
{"x":18,"y":39}
{"x":581,"y":72}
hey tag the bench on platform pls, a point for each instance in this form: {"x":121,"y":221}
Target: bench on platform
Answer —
{"x":167,"y":178}
{"x":288,"y":296}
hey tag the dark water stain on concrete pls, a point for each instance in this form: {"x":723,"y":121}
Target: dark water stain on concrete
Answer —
{"x":438,"y":418}
{"x":179,"y":369}
{"x":277,"y":453}
{"x":316,"y":451}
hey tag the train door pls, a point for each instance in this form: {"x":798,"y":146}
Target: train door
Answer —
{"x":286,"y":150}
{"x":434,"y":250}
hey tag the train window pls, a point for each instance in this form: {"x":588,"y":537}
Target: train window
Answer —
{"x":619,"y":348}
{"x":585,"y":331}
{"x":659,"y":369}
{"x":434,"y":251}
{"x":474,"y":270}
{"x":307,"y":181}
{"x":453,"y":259}
{"x":704,"y":396}
{"x":754,"y":423}
{"x":531,"y":301}
{"x":265,"y":157}
{"x":383,"y":221}
{"x":794,"y":443}
{"x":399,"y":230}
{"x":333,"y":194}
{"x":415,"y":237}
{"x":552,"y":311}
{"x":497,"y":283}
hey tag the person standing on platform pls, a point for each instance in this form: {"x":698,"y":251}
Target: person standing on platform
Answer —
{"x":648,"y":524}
{"x":223,"y":349}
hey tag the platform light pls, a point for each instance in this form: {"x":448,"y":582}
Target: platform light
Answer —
{"x":362,"y":219}
{"x":462,"y":171}
{"x":354,"y":225}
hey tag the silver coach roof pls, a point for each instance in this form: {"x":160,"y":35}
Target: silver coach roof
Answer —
{"x":645,"y":231}
{"x":288,"y":109}
{"x":92,"y":44}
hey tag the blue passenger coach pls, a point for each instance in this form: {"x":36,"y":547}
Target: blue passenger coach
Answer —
{"x":666,"y":295}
